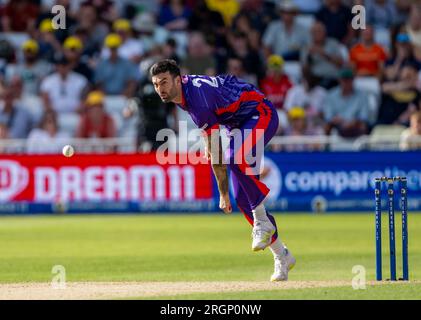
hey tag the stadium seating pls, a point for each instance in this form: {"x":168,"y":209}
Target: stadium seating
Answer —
{"x":385,"y":137}
{"x":382,"y":37}
{"x":293,"y":70}
{"x":115,"y":104}
{"x":154,"y":48}
{"x":34,"y":105}
{"x":343,"y":50}
{"x":15,"y":38}
{"x":371,"y":86}
{"x":125,"y":127}
{"x":68,"y":123}
{"x":305,"y":20}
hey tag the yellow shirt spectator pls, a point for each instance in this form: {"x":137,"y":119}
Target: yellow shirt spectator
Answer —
{"x":227,"y":8}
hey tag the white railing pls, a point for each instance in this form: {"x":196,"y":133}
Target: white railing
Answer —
{"x":337,"y":143}
{"x":279,"y":143}
{"x":94,"y":145}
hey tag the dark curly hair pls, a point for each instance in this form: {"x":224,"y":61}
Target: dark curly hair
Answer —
{"x":164,"y":66}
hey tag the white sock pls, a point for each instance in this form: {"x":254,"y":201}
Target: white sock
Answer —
{"x":278,"y":249}
{"x":259,"y":213}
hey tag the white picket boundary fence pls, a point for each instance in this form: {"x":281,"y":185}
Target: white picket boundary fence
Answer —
{"x":280,"y":143}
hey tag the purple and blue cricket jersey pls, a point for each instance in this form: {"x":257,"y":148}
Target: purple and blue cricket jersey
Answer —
{"x":226,"y":100}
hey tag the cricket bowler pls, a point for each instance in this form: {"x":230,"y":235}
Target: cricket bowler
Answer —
{"x":244,"y":111}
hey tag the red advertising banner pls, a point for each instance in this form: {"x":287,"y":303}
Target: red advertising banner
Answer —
{"x":113,"y":177}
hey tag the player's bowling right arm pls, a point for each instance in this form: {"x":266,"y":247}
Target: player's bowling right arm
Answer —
{"x":214,"y":151}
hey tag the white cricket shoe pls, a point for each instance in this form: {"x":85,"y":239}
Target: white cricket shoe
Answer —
{"x":262,"y":234}
{"x":283,"y":265}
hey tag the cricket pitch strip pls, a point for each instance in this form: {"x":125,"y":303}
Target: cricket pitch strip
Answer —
{"x":113,"y":290}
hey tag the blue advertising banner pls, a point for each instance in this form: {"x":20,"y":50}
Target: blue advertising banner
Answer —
{"x":336,"y":182}
{"x":299,"y":182}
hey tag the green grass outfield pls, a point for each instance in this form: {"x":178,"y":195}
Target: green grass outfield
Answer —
{"x":204,"y":248}
{"x":398,"y":291}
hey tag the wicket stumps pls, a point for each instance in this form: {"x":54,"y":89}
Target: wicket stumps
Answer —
{"x":391,"y":218}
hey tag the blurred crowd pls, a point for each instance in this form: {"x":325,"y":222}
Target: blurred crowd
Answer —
{"x":324,"y":76}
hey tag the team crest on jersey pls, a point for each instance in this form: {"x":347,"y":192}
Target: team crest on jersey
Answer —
{"x":184,"y":79}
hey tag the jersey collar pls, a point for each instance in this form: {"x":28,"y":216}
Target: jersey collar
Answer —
{"x":183,"y":104}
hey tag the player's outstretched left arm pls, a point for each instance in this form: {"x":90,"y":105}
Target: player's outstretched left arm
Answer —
{"x":214,"y":154}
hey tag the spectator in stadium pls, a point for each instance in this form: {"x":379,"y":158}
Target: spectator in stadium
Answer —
{"x":72,"y":50}
{"x":90,"y":29}
{"x":403,"y":8}
{"x":323,"y":56}
{"x":367,"y":56}
{"x":299,"y":127}
{"x":19,"y":16}
{"x":337,"y":19}
{"x":239,"y":47}
{"x":346,"y":109}
{"x":227,"y":8}
{"x":127,"y":7}
{"x":242,"y":24}
{"x":7,"y":55}
{"x":61,"y":33}
{"x":106,"y":9}
{"x":169,"y":50}
{"x":402,"y":54}
{"x":31,"y":70}
{"x":15,"y":84}
{"x":413,"y":28}
{"x":16,"y":118}
{"x":47,"y":41}
{"x":276,"y":83}
{"x":4,"y":135}
{"x":308,"y":7}
{"x":174,"y":15}
{"x":309,"y":95}
{"x":4,"y":132}
{"x":207,"y":21}
{"x":156,"y":115}
{"x":46,"y":138}
{"x":95,"y":122}
{"x":400,"y":98}
{"x":411,"y":137}
{"x":285,"y":37}
{"x":381,"y":14}
{"x":235,"y":67}
{"x":149,"y":33}
{"x":259,"y":12}
{"x":130,"y":47}
{"x":154,"y":54}
{"x":62,"y":91}
{"x":116,"y":75}
{"x":199,"y":59}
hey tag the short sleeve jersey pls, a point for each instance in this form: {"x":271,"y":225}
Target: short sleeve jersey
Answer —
{"x":223,"y":100}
